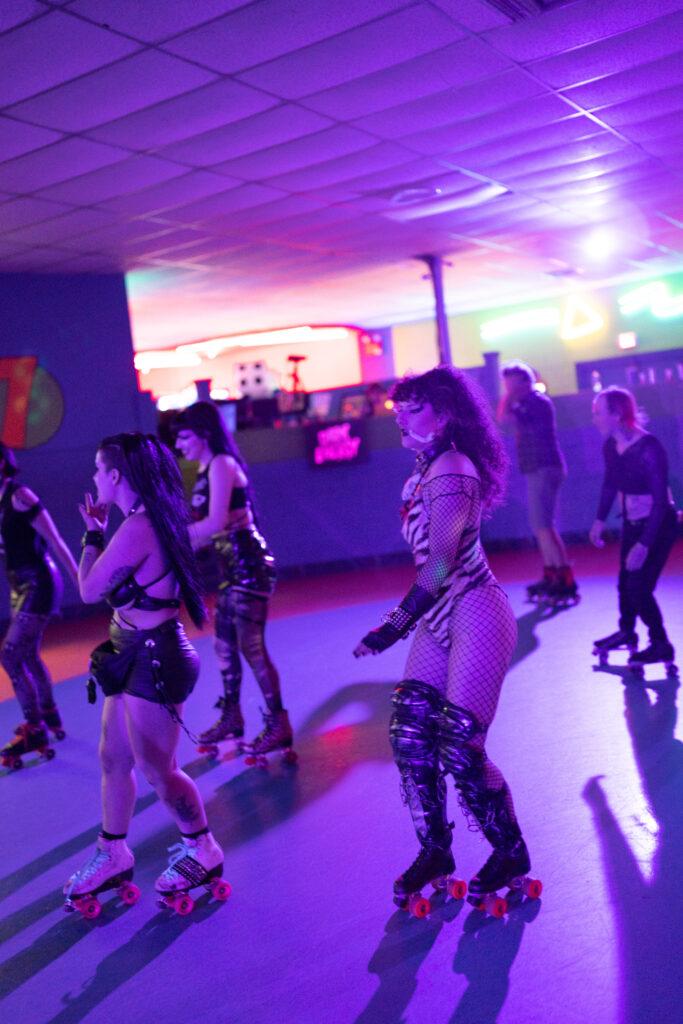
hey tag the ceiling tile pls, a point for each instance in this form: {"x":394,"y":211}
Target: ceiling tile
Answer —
{"x":80,"y":48}
{"x":624,"y":86}
{"x":452,"y":105}
{"x":211,"y":207}
{"x":251,"y":221}
{"x":468,"y":60}
{"x":620,"y":53}
{"x":344,"y":167}
{"x":575,"y":25}
{"x":126,"y":176}
{"x":656,"y":127}
{"x":535,"y":140}
{"x":55,"y":163}
{"x":414,"y":31}
{"x":312,"y":149}
{"x":246,"y":136}
{"x":119,"y":89}
{"x":17,"y":138}
{"x":153,"y":22}
{"x":268,"y":29}
{"x":17,"y":213}
{"x":75,"y":222}
{"x":196,"y":112}
{"x":18,"y":12}
{"x":560,"y":156}
{"x":516,"y":119}
{"x":473,"y":15}
{"x":167,"y":195}
{"x":655,"y":104}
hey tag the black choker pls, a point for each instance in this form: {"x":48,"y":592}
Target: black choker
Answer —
{"x":134,"y":508}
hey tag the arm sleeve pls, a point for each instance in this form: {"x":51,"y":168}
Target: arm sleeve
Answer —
{"x":450,"y":507}
{"x":656,"y":469}
{"x":610,"y":484}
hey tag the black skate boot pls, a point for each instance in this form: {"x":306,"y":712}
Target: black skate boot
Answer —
{"x":433,"y":865}
{"x":28,"y":737}
{"x":229,"y":726}
{"x":538,"y":591}
{"x":623,"y":639}
{"x":659,"y":650}
{"x":53,"y":721}
{"x":276,"y":735}
{"x":564,"y":590}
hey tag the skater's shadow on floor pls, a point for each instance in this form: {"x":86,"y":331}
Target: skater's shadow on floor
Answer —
{"x":527,"y":641}
{"x":643,"y":859}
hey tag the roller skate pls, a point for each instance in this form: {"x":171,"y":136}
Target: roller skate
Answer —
{"x":503,"y":870}
{"x":563,"y":591}
{"x":623,"y":639}
{"x":52,"y":720}
{"x":110,"y":867}
{"x":659,"y":650}
{"x":28,"y":737}
{"x":434,"y":865}
{"x":193,"y":862}
{"x":537,"y":592}
{"x":230,"y":726}
{"x":276,"y":735}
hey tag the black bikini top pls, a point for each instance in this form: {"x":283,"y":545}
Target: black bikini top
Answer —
{"x":132,"y":594}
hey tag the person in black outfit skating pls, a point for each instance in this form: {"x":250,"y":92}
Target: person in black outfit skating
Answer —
{"x":636,"y":468}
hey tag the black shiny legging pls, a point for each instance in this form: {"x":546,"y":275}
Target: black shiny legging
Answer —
{"x":636,"y":588}
{"x":240,"y":630}
{"x":20,"y":657}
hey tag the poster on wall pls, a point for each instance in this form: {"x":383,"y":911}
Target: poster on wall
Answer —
{"x":336,"y":444}
{"x":31,"y":403}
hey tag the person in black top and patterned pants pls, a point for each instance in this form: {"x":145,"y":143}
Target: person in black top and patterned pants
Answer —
{"x":541,"y":462}
{"x":636,"y":467}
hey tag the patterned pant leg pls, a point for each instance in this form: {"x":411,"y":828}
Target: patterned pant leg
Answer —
{"x":21,"y":660}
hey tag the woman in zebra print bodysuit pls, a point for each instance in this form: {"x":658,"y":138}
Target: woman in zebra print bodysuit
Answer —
{"x":465,"y":630}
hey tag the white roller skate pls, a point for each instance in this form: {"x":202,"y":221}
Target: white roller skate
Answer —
{"x":193,"y":862}
{"x":110,"y":867}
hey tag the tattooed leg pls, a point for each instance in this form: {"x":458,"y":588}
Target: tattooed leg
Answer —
{"x":154,"y":739}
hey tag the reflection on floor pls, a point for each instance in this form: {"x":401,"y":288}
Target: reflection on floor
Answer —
{"x":595,"y":762}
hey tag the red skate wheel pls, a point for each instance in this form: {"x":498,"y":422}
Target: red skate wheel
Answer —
{"x":90,"y":909}
{"x":220,"y":889}
{"x":494,"y":905}
{"x":532,"y":887}
{"x":419,"y":906}
{"x":456,"y":888}
{"x":183,"y":905}
{"x":129,"y":893}
{"x":250,"y":759}
{"x":290,"y":756}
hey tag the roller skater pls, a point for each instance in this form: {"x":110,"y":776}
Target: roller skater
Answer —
{"x":275,"y":735}
{"x":224,"y":518}
{"x":28,"y":737}
{"x":147,"y":668}
{"x":110,"y":867}
{"x":28,"y":537}
{"x":636,"y":468}
{"x":196,"y":860}
{"x":464,"y":639}
{"x":530,"y":413}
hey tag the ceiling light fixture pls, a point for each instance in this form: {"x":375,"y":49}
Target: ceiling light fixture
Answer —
{"x":462,"y":201}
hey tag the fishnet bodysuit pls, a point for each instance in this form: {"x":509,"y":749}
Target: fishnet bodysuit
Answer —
{"x":464,"y":644}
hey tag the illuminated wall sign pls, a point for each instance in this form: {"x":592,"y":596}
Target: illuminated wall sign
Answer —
{"x":31,"y":403}
{"x":336,"y":443}
{"x":579,"y":319}
{"x":655,"y":298}
{"x":515,"y":323}
{"x":627,"y":339}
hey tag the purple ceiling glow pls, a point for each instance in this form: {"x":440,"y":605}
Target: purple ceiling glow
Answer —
{"x":259,"y":165}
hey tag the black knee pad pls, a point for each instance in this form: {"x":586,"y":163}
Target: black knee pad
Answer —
{"x":413,"y":723}
{"x":457,"y":728}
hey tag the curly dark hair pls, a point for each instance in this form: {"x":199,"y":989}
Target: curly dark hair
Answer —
{"x":152,"y":471}
{"x":470,"y":425}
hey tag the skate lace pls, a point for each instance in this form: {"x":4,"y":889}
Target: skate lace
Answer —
{"x":177,"y":852}
{"x":91,"y":867}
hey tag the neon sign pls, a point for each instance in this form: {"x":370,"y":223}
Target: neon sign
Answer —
{"x":515,"y":323}
{"x":335,"y":444}
{"x":654,"y":298}
{"x":579,"y":319}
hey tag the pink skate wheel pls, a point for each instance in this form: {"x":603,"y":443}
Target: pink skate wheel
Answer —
{"x":494,"y":905}
{"x":250,"y":759}
{"x":90,"y":909}
{"x":183,"y":905}
{"x":456,"y":888}
{"x":290,"y":756}
{"x":419,"y":906}
{"x":532,"y":887}
{"x":129,"y":893}
{"x":220,"y":889}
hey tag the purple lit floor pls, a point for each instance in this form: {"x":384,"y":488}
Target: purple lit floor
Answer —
{"x":310,"y":932}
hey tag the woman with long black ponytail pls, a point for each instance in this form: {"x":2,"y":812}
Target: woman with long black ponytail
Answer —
{"x":148,"y":667}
